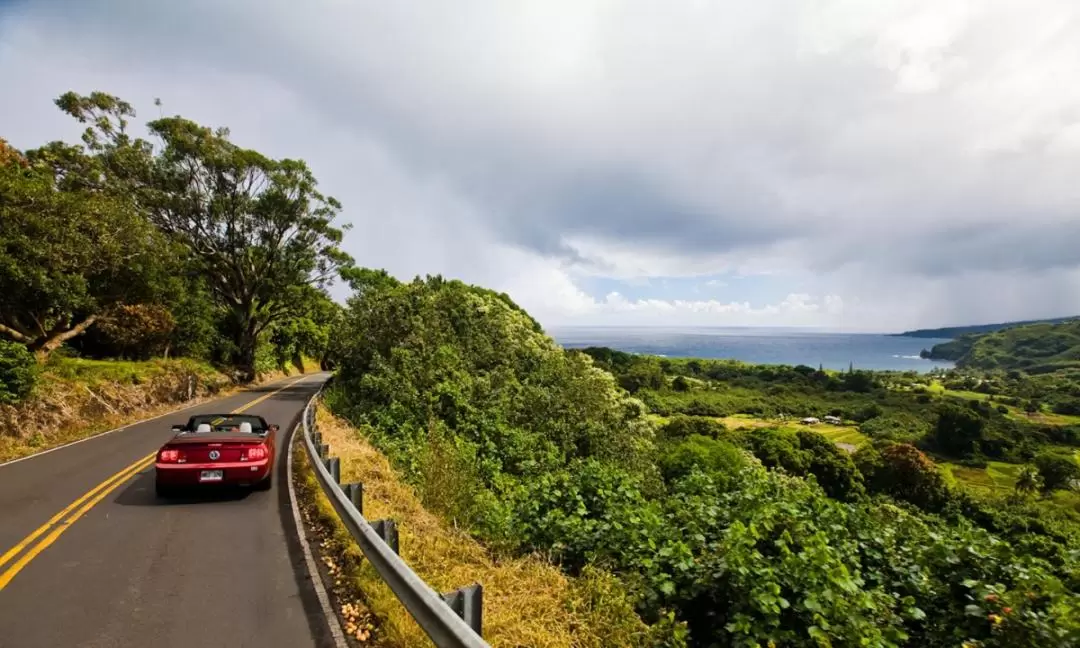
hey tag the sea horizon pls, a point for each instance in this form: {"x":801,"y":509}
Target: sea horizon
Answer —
{"x":787,"y":345}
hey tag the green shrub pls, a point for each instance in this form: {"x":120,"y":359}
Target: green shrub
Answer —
{"x":18,"y":372}
{"x":832,"y":467}
{"x":682,"y":426}
{"x":720,"y":458}
{"x":1057,"y":469}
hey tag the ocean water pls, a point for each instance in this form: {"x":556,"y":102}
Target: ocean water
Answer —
{"x":761,"y":346}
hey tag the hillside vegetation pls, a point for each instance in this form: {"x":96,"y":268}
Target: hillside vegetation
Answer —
{"x":1034,"y":348}
{"x":957,"y":331}
{"x":758,"y":536}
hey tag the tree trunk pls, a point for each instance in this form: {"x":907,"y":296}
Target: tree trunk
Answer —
{"x":43,"y":347}
{"x":247,"y":343}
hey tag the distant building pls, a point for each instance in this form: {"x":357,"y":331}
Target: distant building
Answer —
{"x":835,"y":420}
{"x":810,"y":420}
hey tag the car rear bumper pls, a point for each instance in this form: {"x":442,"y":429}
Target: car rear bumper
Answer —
{"x":243,"y":473}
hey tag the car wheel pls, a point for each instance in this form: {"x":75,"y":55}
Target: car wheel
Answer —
{"x":265,"y":484}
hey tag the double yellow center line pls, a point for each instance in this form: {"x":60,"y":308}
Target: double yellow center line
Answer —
{"x":65,"y":518}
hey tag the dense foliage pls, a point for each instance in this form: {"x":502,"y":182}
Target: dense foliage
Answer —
{"x":1034,"y":348}
{"x":756,"y":536}
{"x":67,"y":253}
{"x":18,"y":371}
{"x":195,"y":247}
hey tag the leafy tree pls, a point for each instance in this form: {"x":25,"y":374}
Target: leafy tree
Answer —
{"x":778,"y":448}
{"x":904,"y":472}
{"x":68,"y":252}
{"x":1058,"y":470}
{"x":137,"y":331}
{"x":367,"y":280}
{"x":958,"y":430}
{"x":681,"y":426}
{"x":719,"y":458}
{"x":1028,"y":482}
{"x":257,"y":228}
{"x":198,"y":330}
{"x":858,"y":381}
{"x":832,"y":467}
{"x":643,"y":373}
{"x":680,"y":384}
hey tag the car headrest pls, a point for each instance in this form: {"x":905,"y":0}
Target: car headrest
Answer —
{"x":245,"y":427}
{"x":203,"y":428}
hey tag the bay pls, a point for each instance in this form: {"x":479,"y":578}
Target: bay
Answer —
{"x":759,"y":345}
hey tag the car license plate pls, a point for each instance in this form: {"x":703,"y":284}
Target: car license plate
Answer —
{"x":211,"y":475}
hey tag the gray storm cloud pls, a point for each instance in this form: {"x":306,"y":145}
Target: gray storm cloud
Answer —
{"x":888,"y":147}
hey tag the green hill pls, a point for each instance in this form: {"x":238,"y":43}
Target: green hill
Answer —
{"x":957,"y":331}
{"x":1035,"y":348}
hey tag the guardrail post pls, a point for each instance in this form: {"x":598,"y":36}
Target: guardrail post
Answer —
{"x":324,"y":449}
{"x":468,"y":603}
{"x":387,"y":530}
{"x":356,"y":495}
{"x":333,"y":466}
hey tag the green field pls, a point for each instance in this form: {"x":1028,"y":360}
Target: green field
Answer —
{"x":998,"y":477}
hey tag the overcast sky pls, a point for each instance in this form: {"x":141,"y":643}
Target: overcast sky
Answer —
{"x":845,"y":164}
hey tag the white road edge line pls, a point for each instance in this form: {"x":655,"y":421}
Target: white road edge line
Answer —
{"x":127,"y":425}
{"x":309,"y":559}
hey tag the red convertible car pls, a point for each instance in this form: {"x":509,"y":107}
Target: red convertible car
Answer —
{"x":234,"y":449}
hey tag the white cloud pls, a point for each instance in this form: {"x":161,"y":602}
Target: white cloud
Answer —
{"x":908,"y":162}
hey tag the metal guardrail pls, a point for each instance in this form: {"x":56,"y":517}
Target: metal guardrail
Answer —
{"x":451,"y":620}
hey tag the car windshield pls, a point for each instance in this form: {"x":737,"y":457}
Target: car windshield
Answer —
{"x":226,"y":422}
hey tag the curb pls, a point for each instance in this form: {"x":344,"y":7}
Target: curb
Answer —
{"x":309,"y":558}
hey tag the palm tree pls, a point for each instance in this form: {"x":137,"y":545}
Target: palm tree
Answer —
{"x":1028,"y":481}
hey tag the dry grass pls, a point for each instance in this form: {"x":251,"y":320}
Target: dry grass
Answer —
{"x":527,"y":601}
{"x":78,"y":398}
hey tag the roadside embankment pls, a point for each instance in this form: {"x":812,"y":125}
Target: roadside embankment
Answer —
{"x":527,"y":600}
{"x":76,"y":398}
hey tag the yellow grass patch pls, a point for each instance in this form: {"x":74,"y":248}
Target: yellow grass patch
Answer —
{"x":527,"y":601}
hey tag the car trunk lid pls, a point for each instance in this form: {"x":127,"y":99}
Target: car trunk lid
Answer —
{"x":229,"y":446}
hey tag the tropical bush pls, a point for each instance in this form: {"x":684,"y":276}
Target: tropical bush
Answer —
{"x":18,"y":372}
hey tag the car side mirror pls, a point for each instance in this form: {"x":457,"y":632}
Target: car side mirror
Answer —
{"x":178,"y":428}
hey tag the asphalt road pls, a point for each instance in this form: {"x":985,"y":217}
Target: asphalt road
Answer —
{"x":132,"y":570}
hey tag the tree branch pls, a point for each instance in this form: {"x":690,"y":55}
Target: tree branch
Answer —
{"x":15,"y":335}
{"x":50,"y":345}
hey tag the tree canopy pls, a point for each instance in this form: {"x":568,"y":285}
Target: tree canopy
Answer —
{"x":120,"y":222}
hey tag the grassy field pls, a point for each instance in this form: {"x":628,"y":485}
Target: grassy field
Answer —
{"x":842,"y":434}
{"x":1043,"y":417}
{"x":998,"y":477}
{"x":847,"y":434}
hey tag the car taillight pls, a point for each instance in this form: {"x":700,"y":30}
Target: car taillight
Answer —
{"x":257,"y":453}
{"x":169,"y":455}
